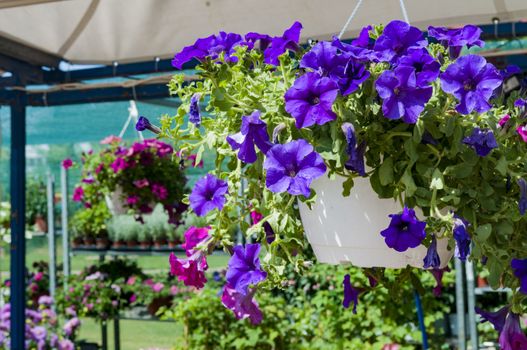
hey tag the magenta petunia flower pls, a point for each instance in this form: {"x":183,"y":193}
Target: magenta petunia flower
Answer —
{"x":208,"y":194}
{"x":310,"y":100}
{"x":522,"y":131}
{"x":438,"y":276}
{"x":253,"y":133}
{"x":405,"y":231}
{"x":396,"y":38}
{"x":118,"y":164}
{"x":78,"y":194}
{"x":482,"y":140}
{"x":159,"y":191}
{"x":512,"y":336}
{"x":190,"y":271}
{"x":503,"y":120}
{"x":243,"y":305}
{"x":292,"y":167}
{"x":132,"y":200}
{"x":519,"y":267}
{"x":141,"y":183}
{"x":351,"y":294}
{"x":401,"y":96}
{"x":194,"y":236}
{"x":472,"y":81}
{"x":244,"y":268}
{"x":456,"y":39}
{"x":67,"y":163}
{"x":432,"y":259}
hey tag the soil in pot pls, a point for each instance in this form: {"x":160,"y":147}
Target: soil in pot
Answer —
{"x":118,"y":244}
{"x":160,"y":243}
{"x":157,"y":303}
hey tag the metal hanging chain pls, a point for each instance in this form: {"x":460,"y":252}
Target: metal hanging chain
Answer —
{"x":353,"y":13}
{"x":405,"y":13}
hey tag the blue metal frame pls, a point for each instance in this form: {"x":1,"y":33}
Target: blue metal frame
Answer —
{"x":18,"y":210}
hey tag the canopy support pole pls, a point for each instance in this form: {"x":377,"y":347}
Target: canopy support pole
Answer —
{"x":18,"y":213}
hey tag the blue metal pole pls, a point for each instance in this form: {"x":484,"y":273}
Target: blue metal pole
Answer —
{"x":421,"y":319}
{"x":18,"y":213}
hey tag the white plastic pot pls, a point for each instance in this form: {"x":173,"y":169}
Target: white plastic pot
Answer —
{"x":115,"y":202}
{"x":345,"y":230}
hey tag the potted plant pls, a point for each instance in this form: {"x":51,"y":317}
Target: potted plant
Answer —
{"x":116,"y":229}
{"x":133,"y":179}
{"x":102,"y":241}
{"x":90,"y":223}
{"x":144,"y":237}
{"x":37,"y":205}
{"x":388,"y":151}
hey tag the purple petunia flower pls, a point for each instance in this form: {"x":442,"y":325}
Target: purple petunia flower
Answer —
{"x":194,"y":112}
{"x":512,"y":336}
{"x":522,"y":203}
{"x":243,"y":305}
{"x":472,"y":81}
{"x":351,"y":294}
{"x":355,"y":153}
{"x":144,"y":124}
{"x":280,"y":44}
{"x":66,"y":344}
{"x":292,"y":167}
{"x":310,"y":100}
{"x":70,"y":326}
{"x":438,"y":276}
{"x":497,"y":319}
{"x":118,"y":164}
{"x":344,"y":69}
{"x":482,"y":140}
{"x":520,"y":103}
{"x":208,"y":193}
{"x":263,"y":39}
{"x":244,"y":268}
{"x":509,"y":71}
{"x":426,"y":67}
{"x":456,"y":39}
{"x":396,"y":38}
{"x":211,"y":46}
{"x":190,"y":271}
{"x":402,"y":96}
{"x":519,"y":267}
{"x":45,"y":300}
{"x":462,"y":238}
{"x":431,"y":259}
{"x":363,"y":40}
{"x":405,"y":231}
{"x":253,"y":132}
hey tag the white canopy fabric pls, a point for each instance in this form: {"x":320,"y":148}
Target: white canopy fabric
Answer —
{"x":105,"y":31}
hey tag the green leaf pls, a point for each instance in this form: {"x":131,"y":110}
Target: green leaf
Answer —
{"x":386,"y":171}
{"x":347,"y":186}
{"x":409,"y":183}
{"x":502,"y":166}
{"x":437,"y":182}
{"x":483,"y":232}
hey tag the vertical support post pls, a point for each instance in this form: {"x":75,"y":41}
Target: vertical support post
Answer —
{"x":471,"y":300}
{"x":51,"y":236}
{"x":460,"y":306}
{"x":116,"y":333}
{"x":104,"y":335}
{"x":421,"y":319}
{"x":18,"y":213}
{"x":64,"y":224}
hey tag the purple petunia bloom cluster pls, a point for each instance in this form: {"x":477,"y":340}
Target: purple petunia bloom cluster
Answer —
{"x":405,"y":231}
{"x":456,"y":39}
{"x":482,"y":140}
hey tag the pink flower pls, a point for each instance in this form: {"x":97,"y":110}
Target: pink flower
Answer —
{"x":158,"y":287}
{"x":131,"y":200}
{"x":67,"y":163}
{"x":159,"y":191}
{"x":522,"y":131}
{"x":118,"y":164}
{"x":256,"y":217}
{"x":133,"y":298}
{"x":504,"y":120}
{"x":78,"y":194}
{"x":194,"y":236}
{"x":38,"y":276}
{"x":191,"y":271}
{"x":131,"y":280}
{"x":149,"y":282}
{"x":110,"y":139}
{"x":174,"y":290}
{"x":141,"y":183}
{"x":99,"y":168}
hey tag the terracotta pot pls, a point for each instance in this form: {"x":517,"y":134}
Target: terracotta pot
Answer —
{"x":89,"y":241}
{"x":41,"y":223}
{"x":482,"y":282}
{"x":76,"y":242}
{"x":118,"y":244}
{"x":157,"y":303}
{"x":173,"y":244}
{"x":102,"y":243}
{"x":132,"y":243}
{"x":160,"y":243}
{"x":145,"y":244}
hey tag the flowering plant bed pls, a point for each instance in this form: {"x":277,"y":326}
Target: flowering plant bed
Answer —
{"x":425,"y":126}
{"x":136,"y":178}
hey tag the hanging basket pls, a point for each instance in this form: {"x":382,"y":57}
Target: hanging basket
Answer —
{"x":345,"y":230}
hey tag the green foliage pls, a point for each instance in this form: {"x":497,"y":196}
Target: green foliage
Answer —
{"x":307,"y":314}
{"x":36,"y":201}
{"x":91,"y":222}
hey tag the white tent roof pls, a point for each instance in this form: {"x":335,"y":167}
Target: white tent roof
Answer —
{"x":104,"y":31}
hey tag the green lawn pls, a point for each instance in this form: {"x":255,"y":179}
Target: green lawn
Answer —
{"x":135,"y":335}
